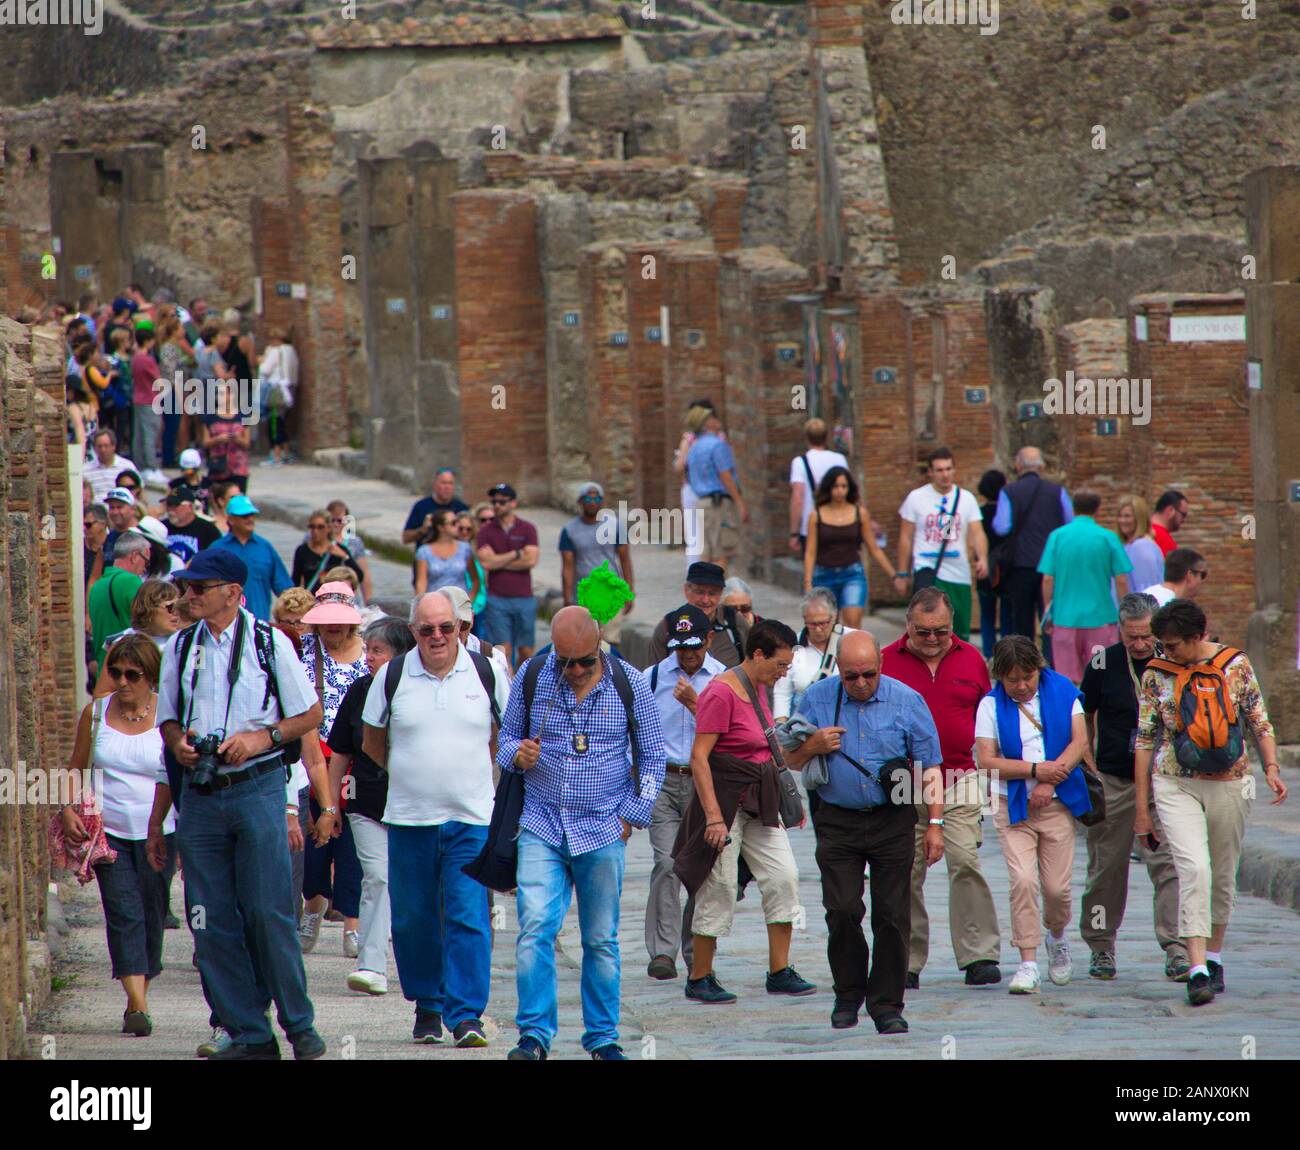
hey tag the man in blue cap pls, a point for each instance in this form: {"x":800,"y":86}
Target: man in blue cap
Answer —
{"x":267,"y":576}
{"x":236,"y":682}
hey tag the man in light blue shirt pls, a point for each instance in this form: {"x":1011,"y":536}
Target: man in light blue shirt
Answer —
{"x":711,"y":472}
{"x":267,"y":576}
{"x":866,"y":720}
{"x":677,"y":683}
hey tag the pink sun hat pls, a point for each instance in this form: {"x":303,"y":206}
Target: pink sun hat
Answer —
{"x":335,"y":603}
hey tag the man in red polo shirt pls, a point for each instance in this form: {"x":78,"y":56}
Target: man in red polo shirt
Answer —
{"x":1171,"y":511}
{"x":952,"y":677}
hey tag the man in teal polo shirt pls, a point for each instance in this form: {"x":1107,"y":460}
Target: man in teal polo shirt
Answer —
{"x":1078,"y":564}
{"x":267,"y":576}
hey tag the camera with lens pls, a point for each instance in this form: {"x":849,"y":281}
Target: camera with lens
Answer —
{"x":205,"y":770}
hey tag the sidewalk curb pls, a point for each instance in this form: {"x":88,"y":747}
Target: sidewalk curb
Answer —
{"x":1266,"y":873}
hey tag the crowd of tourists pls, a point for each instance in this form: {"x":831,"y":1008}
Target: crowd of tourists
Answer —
{"x":307,"y":756}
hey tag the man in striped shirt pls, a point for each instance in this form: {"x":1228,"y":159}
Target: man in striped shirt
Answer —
{"x":581,"y":803}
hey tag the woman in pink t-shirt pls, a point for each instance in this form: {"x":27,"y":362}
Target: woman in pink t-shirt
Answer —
{"x":734,"y":771}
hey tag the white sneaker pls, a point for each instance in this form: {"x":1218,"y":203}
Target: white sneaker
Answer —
{"x":369,"y":981}
{"x":1058,"y":961}
{"x":1026,"y":980}
{"x":351,"y":944}
{"x":219,"y":1041}
{"x":309,"y":930}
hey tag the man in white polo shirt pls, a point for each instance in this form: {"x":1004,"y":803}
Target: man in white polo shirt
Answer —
{"x":439,"y":761}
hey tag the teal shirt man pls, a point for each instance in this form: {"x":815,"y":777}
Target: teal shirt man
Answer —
{"x":1083,"y":558}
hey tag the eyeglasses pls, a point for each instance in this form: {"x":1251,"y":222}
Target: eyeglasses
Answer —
{"x":745,"y":608}
{"x":579,"y":661}
{"x":338,"y":519}
{"x":854,"y":676}
{"x":931,"y":632}
{"x":429,"y":630}
{"x":811,"y":623}
{"x":130,"y":674}
{"x":89,"y":524}
{"x":171,"y":608}
{"x":464,"y":529}
{"x":591,"y":499}
{"x":486,"y":518}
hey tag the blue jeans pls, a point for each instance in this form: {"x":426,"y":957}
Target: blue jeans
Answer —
{"x":510,"y":619}
{"x":234,"y":845}
{"x":548,"y":877}
{"x":135,"y":903}
{"x":442,"y":937}
{"x":847,"y":584}
{"x":344,"y":891}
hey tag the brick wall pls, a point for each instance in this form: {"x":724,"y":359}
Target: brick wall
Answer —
{"x":645,"y":273}
{"x":1096,"y":450}
{"x":500,"y":323}
{"x":692,"y":361}
{"x":1198,"y":441}
{"x":611,"y":424}
{"x":835,"y":22}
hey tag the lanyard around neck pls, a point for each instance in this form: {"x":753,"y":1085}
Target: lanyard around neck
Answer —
{"x":232,"y":674}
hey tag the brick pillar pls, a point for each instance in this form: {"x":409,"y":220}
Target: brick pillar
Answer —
{"x":722,"y":206}
{"x":1096,"y":448}
{"x":760,"y":386}
{"x":1199,"y":440}
{"x":834,"y":23}
{"x":501,"y":328}
{"x":645,"y":278}
{"x":1273,"y":341}
{"x":693,"y":357}
{"x":273,"y":255}
{"x":611,"y":425}
{"x":316,"y":257}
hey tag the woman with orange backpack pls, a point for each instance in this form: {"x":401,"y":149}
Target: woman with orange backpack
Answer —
{"x":1194,"y":705}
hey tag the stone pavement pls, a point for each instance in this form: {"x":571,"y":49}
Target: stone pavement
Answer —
{"x":1138,"y":1016}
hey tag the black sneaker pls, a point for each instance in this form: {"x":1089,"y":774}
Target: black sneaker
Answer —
{"x":528,"y":1050}
{"x":787,"y":981}
{"x":469,"y":1033}
{"x":611,"y":1053}
{"x":662,"y":967}
{"x":238,"y":1052}
{"x":307,"y":1044}
{"x":428,"y":1027}
{"x":845,"y":1014}
{"x":891,"y":1024}
{"x":913,"y":981}
{"x":1216,"y":976}
{"x":708,"y":991}
{"x":985,"y":972}
{"x":1200,"y":990}
{"x":1102,"y":965}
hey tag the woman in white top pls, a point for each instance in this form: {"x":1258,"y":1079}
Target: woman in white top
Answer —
{"x":1030,"y":733}
{"x":119,"y":743}
{"x":814,"y":658}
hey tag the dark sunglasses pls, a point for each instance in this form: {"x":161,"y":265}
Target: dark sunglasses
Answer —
{"x":89,"y":524}
{"x":932,"y":632}
{"x":486,"y":518}
{"x":854,"y":676}
{"x":580,"y":661}
{"x":196,"y":588}
{"x":429,"y":630}
{"x":499,"y":502}
{"x":130,"y":674}
{"x":338,"y":519}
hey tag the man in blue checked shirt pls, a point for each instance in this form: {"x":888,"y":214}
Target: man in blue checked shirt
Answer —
{"x":580,"y":806}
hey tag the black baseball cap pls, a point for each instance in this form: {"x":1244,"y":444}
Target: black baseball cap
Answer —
{"x":687,"y":627}
{"x":502,"y":489}
{"x":181,"y":494}
{"x":706,"y":575}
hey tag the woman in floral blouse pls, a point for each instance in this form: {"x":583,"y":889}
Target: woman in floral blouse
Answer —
{"x":1203,"y":814}
{"x":334,"y":658}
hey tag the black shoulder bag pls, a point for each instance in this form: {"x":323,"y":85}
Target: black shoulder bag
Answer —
{"x":792,"y":813}
{"x":927,"y":576}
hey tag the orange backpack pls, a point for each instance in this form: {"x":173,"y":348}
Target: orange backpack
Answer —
{"x":1208,"y":738}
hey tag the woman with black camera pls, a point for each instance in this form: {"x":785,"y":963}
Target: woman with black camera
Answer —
{"x":118,"y":741}
{"x":737,"y":801}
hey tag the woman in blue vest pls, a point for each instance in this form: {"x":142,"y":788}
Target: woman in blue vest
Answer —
{"x":1030,"y":736}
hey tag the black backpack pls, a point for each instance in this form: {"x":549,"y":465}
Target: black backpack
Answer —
{"x":482,"y":664}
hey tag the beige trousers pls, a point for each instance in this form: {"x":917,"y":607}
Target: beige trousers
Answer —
{"x":1040,"y":858}
{"x":1205,"y":821}
{"x":767,"y":851}
{"x":972,"y":915}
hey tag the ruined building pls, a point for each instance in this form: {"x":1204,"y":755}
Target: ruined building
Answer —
{"x":526,"y":233}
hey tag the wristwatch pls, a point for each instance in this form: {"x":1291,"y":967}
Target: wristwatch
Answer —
{"x":277,"y":739}
{"x":1033,"y":770}
{"x":936,"y":822}
{"x":329,"y":810}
